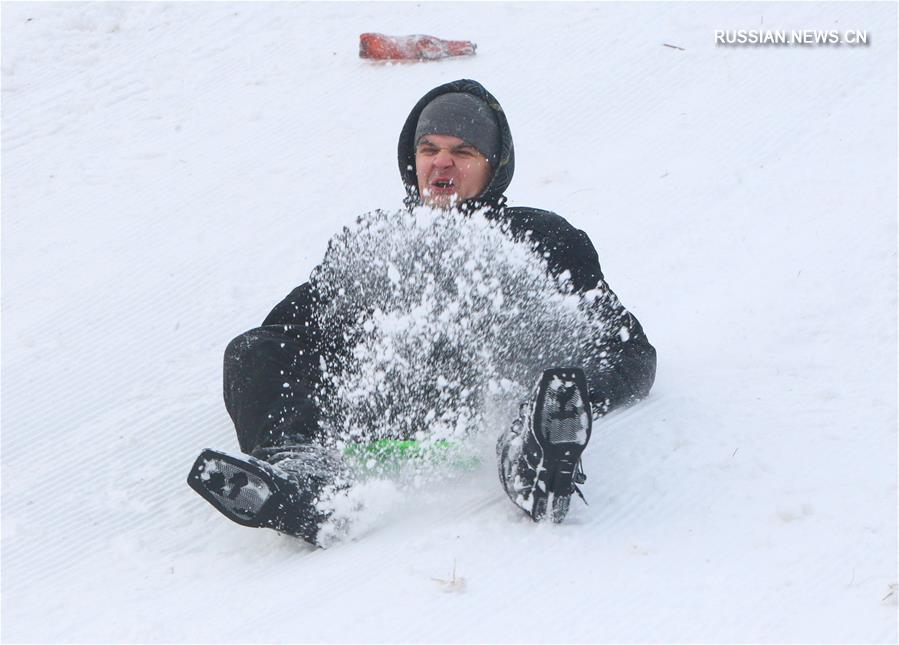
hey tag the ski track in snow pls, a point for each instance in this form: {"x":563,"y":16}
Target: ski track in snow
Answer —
{"x":170,"y":171}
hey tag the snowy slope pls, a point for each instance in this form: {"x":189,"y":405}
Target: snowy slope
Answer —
{"x":170,"y":171}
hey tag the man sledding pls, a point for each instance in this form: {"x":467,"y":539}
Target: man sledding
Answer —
{"x":455,"y":156}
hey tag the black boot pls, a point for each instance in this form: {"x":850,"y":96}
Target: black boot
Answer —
{"x":284,"y":490}
{"x":539,"y":456}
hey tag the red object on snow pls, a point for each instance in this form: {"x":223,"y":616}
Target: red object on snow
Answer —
{"x":415,"y":47}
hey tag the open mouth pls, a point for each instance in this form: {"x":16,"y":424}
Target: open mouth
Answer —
{"x":443,"y":185}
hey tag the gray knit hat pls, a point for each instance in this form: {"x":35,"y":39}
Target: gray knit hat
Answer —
{"x":462,"y":115}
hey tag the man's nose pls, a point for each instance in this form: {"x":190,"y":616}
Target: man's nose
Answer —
{"x":443,"y":159}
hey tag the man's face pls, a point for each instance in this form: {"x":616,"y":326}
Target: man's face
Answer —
{"x":449,"y":170}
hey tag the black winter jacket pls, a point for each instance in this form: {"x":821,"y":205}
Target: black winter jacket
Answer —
{"x":566,"y":248}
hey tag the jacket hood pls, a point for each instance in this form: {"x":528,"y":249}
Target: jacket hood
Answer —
{"x":502,"y":174}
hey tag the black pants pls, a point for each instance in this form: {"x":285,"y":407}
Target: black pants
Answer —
{"x":270,"y":381}
{"x":272,"y":377}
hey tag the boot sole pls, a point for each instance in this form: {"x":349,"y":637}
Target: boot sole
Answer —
{"x":560,"y":459}
{"x":244,"y":490}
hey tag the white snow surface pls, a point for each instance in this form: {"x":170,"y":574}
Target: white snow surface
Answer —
{"x":171,"y":171}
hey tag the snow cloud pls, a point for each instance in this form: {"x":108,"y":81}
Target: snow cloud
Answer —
{"x":450,"y":322}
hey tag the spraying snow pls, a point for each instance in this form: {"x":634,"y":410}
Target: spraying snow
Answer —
{"x":451,"y":322}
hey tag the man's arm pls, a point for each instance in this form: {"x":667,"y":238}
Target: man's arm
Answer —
{"x":629,"y":366}
{"x":626,"y":372}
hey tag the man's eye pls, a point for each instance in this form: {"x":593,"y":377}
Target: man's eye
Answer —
{"x":427,"y":151}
